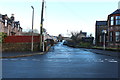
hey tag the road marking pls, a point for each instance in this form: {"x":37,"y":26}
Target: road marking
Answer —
{"x":4,"y":59}
{"x":24,"y":59}
{"x":13,"y":59}
{"x":100,"y":61}
{"x":106,"y":59}
{"x":35,"y":59}
{"x":113,"y":61}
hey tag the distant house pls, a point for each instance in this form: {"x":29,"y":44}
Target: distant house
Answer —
{"x":100,"y":26}
{"x":81,"y":35}
{"x":9,"y":26}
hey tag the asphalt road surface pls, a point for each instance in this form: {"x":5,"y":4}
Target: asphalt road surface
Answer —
{"x":61,"y":62}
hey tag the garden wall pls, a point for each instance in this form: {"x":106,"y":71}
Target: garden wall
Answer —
{"x":21,"y":39}
{"x":19,"y":46}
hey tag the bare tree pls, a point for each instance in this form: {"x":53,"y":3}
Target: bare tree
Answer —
{"x":75,"y":36}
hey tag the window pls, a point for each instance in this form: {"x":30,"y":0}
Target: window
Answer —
{"x":117,"y":36}
{"x":112,"y":21}
{"x":111,"y":36}
{"x":117,"y":20}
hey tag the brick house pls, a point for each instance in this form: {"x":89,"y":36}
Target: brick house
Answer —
{"x":9,"y":26}
{"x":114,"y":28}
{"x":100,"y":26}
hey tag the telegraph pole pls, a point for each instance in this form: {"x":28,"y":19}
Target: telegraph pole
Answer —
{"x":41,"y":28}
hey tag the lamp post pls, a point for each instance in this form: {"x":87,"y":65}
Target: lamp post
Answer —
{"x":104,"y":32}
{"x":32,"y":27}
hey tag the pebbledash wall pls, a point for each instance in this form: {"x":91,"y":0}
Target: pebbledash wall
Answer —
{"x":20,"y":43}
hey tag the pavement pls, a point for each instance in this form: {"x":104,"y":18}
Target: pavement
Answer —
{"x":105,"y":52}
{"x":19,"y":54}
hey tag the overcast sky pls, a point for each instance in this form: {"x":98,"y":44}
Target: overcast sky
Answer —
{"x":60,"y":16}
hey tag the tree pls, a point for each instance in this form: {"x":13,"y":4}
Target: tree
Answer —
{"x":75,"y":36}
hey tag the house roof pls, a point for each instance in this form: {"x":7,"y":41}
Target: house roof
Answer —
{"x":116,"y":12}
{"x":101,"y":23}
{"x":83,"y":33}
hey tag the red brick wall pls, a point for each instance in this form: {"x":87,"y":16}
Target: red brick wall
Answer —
{"x":21,"y":39}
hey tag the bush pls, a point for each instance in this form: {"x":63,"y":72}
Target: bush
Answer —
{"x":2,"y":36}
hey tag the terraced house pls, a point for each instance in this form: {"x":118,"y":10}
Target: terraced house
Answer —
{"x":9,"y":25}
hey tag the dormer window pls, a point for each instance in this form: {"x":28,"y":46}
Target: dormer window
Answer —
{"x":117,"y":20}
{"x":112,"y":21}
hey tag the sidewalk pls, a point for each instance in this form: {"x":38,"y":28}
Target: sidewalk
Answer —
{"x":19,"y":54}
{"x":105,"y":52}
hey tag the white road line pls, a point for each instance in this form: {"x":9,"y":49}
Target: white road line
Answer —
{"x":101,"y":61}
{"x":113,"y":61}
{"x":106,"y":59}
{"x":24,"y":59}
{"x":4,"y":59}
{"x":13,"y":59}
{"x":35,"y":59}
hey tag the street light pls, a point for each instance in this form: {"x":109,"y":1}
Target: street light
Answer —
{"x":104,"y":32}
{"x":32,"y":27}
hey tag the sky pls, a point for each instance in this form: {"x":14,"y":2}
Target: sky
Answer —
{"x":60,"y":16}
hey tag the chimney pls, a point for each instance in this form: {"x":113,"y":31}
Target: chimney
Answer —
{"x":119,"y":5}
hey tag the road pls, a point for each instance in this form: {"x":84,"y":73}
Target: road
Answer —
{"x":62,"y":62}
